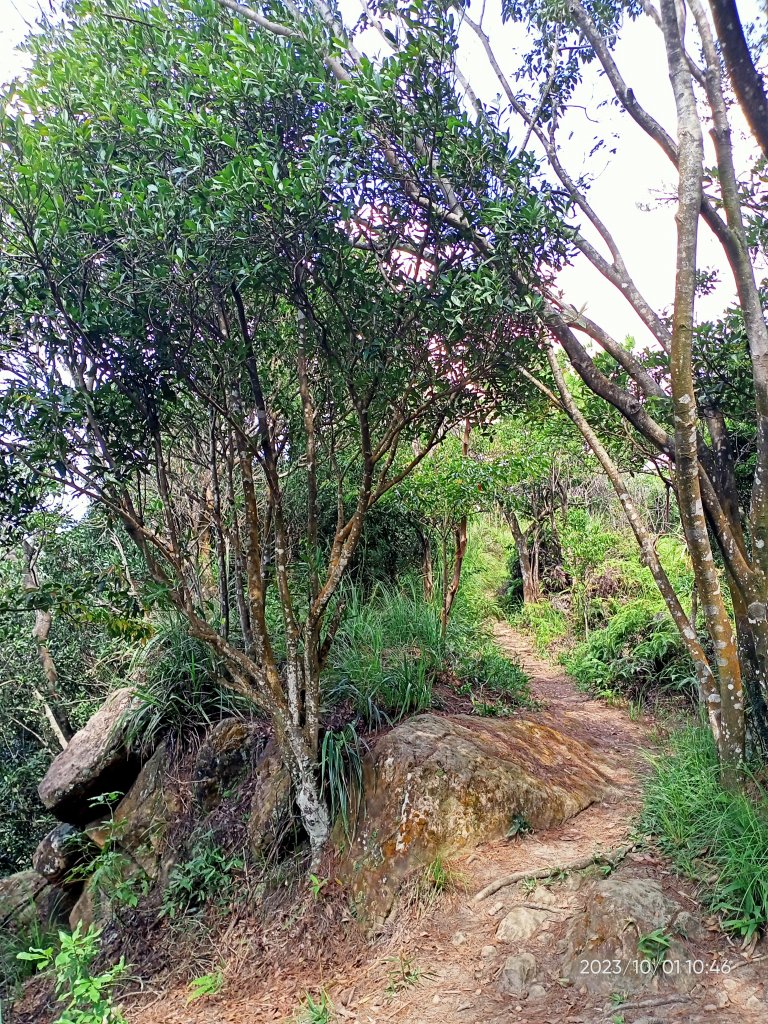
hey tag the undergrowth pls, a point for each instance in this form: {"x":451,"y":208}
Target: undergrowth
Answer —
{"x":14,"y":970}
{"x":206,"y":877}
{"x":545,"y":624}
{"x":181,"y":686}
{"x":638,"y":651}
{"x":87,"y":997}
{"x":390,"y":649}
{"x":717,"y":837}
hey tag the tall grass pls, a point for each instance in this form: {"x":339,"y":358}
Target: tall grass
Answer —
{"x":181,"y":686}
{"x":385,"y":653}
{"x":717,"y":837}
{"x":546,"y":625}
{"x":390,"y":649}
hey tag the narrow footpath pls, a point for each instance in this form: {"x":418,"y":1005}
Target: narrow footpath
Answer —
{"x":461,"y":960}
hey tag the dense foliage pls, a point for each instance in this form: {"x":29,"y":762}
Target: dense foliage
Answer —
{"x":292,"y":405}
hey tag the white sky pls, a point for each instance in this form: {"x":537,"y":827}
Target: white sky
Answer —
{"x":625,"y":183}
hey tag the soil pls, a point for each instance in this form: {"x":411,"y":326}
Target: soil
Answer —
{"x":442,"y":964}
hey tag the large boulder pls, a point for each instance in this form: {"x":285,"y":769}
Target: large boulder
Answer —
{"x":437,"y":785}
{"x":96,"y":760}
{"x":26,"y":900}
{"x":144,"y":816}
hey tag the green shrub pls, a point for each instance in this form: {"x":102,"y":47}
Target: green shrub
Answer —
{"x":718,"y":837}
{"x":88,"y":997}
{"x":546,"y":624}
{"x":112,"y":875}
{"x":639,"y":650}
{"x":14,"y":971}
{"x":207,"y":877}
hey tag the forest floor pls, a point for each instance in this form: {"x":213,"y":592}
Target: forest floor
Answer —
{"x":444,"y":963}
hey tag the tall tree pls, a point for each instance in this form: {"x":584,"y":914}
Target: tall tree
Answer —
{"x":218,"y":299}
{"x":563,"y":42}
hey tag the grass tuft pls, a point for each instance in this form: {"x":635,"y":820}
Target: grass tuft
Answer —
{"x":717,"y":837}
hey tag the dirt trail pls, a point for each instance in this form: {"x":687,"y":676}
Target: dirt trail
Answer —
{"x":444,"y":966}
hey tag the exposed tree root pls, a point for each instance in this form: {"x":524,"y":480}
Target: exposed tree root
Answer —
{"x":613,"y":858}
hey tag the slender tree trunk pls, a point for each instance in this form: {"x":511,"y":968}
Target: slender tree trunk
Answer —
{"x":708,"y":689}
{"x":450,"y":590}
{"x":54,"y":712}
{"x":745,"y":78}
{"x":427,"y":571}
{"x":690,"y":169}
{"x":528,"y":566}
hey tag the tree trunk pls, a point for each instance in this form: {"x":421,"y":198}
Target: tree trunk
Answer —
{"x":301,"y":762}
{"x":427,"y":571}
{"x":528,"y":566}
{"x":450,"y":590}
{"x":708,"y":689}
{"x":691,"y":169}
{"x":745,"y":78}
{"x":55,"y":714}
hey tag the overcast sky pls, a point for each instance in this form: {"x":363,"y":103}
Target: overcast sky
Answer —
{"x":629,"y":186}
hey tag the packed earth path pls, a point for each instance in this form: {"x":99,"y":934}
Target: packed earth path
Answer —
{"x":536,"y":951}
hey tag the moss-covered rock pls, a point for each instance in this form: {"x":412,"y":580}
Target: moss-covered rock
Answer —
{"x":437,"y":785}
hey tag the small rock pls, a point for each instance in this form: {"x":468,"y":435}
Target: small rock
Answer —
{"x":459,"y":939}
{"x":518,"y":971}
{"x":543,"y":895}
{"x":435,"y":999}
{"x":487,"y":952}
{"x":754,"y":1003}
{"x":722,"y":1000}
{"x":710,"y":1007}
{"x":520,"y":924}
{"x":497,"y":908}
{"x":537,"y":992}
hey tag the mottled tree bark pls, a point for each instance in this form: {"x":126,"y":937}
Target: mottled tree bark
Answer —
{"x":694,"y":521}
{"x":529,"y":567}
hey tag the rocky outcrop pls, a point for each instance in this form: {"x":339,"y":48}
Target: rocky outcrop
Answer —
{"x":146,"y":813}
{"x":59,"y":852}
{"x":97,"y":760}
{"x":616,"y":928}
{"x":436,"y":785}
{"x":27,"y":898}
{"x":230,"y":748}
{"x":270,"y":803}
{"x":137,"y":833}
